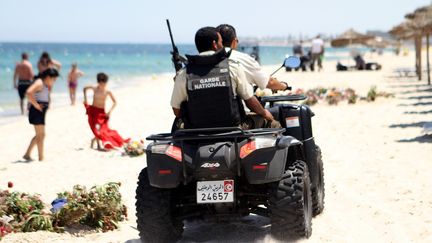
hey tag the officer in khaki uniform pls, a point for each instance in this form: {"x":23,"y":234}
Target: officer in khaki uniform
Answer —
{"x":254,"y":73}
{"x":209,"y":89}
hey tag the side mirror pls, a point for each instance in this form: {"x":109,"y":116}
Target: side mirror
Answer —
{"x":292,"y":62}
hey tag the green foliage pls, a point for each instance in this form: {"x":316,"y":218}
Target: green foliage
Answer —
{"x":351,"y":96}
{"x":38,"y":221}
{"x":100,"y":207}
{"x":372,"y":94}
{"x":22,"y":212}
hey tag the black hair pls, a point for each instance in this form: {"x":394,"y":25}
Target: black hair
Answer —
{"x":228,"y":34}
{"x":204,"y":38}
{"x":50,"y":72}
{"x":45,"y":58}
{"x":24,"y":56}
{"x":102,"y":78}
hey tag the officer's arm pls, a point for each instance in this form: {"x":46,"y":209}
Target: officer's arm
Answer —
{"x":176,"y":112}
{"x":275,"y":84}
{"x":179,"y":93}
{"x":254,"y":105}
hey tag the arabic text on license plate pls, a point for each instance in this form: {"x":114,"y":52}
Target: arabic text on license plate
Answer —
{"x":215,"y":191}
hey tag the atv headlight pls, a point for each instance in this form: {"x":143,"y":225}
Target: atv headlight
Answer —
{"x":257,"y":143}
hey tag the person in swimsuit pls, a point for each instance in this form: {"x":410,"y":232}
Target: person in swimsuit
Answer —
{"x":38,"y":95}
{"x":24,"y":75}
{"x":73,"y":77}
{"x":46,"y":62}
{"x":98,"y":118}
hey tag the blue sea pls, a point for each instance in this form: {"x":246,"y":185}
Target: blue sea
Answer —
{"x":122,"y":62}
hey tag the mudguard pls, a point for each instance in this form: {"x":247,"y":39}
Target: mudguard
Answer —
{"x":268,"y":164}
{"x":163,"y":171}
{"x":297,"y":120}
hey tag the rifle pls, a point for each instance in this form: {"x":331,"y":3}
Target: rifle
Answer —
{"x":177,"y":59}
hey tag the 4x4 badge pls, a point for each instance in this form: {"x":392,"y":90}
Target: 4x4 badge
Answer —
{"x":210,"y":165}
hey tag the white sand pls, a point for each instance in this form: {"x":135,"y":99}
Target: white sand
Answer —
{"x":377,"y":167}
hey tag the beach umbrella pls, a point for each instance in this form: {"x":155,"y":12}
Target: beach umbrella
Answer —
{"x":421,"y":19}
{"x":350,"y":37}
{"x":416,"y":25}
{"x":405,"y":30}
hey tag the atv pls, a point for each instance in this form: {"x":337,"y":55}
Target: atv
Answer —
{"x":226,"y":173}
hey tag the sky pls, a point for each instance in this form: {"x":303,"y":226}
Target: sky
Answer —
{"x":143,"y":21}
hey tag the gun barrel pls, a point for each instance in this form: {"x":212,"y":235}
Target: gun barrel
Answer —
{"x":171,"y":36}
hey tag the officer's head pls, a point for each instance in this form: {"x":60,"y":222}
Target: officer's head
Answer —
{"x":208,"y":39}
{"x":229,"y":35}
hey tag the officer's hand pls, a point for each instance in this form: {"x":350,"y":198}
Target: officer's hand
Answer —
{"x":268,"y":116}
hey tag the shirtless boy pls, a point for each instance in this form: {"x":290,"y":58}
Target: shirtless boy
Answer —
{"x":73,"y":77}
{"x":24,"y":75}
{"x":100,"y":94}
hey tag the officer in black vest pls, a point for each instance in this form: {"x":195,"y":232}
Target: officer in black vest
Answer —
{"x":208,"y":92}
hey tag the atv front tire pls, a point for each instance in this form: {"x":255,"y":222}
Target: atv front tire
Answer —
{"x":155,"y":222}
{"x":318,"y":191}
{"x":290,"y":204}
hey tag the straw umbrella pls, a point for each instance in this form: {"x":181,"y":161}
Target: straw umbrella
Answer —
{"x":350,"y":37}
{"x":421,"y":18}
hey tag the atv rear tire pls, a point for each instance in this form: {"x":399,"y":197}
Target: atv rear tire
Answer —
{"x":290,"y":204}
{"x":153,"y":210}
{"x":318,"y":191}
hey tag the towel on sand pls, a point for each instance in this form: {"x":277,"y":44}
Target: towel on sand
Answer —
{"x":98,"y":121}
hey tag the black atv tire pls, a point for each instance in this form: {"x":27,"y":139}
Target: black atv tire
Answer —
{"x":153,"y":210}
{"x":290,"y":204}
{"x":318,"y":191}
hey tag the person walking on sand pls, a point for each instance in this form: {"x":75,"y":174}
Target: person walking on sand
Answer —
{"x":98,"y":118}
{"x":46,"y":62}
{"x":38,"y":95}
{"x":24,"y":75}
{"x":317,"y":50}
{"x":73,"y":77}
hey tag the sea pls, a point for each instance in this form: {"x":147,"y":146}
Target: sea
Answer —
{"x":125,"y":64}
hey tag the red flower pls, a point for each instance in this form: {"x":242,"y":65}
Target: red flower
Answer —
{"x":10,"y":184}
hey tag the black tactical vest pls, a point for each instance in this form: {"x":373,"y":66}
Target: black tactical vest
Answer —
{"x":211,"y":100}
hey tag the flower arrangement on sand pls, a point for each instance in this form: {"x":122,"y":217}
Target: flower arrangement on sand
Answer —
{"x":134,"y":148}
{"x":99,"y":208}
{"x":331,"y":96}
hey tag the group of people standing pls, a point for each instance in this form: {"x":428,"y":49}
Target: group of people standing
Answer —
{"x":24,"y":75}
{"x":314,"y":54}
{"x":37,"y":89}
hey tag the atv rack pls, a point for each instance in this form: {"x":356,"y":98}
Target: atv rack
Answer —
{"x":213,"y":133}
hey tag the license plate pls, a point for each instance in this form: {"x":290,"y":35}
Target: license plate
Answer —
{"x":215,"y":191}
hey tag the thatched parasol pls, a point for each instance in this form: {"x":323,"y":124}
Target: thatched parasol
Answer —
{"x":417,"y":25}
{"x":405,"y":30}
{"x":421,"y":18}
{"x":350,"y":37}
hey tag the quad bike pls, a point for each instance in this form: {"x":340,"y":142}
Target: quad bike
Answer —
{"x":225,"y":173}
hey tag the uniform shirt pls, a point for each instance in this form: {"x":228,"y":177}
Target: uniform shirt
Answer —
{"x":253,"y":71}
{"x":238,"y":82}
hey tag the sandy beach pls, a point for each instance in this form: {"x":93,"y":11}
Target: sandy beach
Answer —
{"x":377,"y":164}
